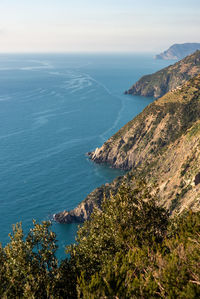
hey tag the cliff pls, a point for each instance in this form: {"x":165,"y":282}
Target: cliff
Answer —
{"x":178,"y":51}
{"x":161,"y":146}
{"x":160,"y":124}
{"x":83,"y":210}
{"x":167,"y":79}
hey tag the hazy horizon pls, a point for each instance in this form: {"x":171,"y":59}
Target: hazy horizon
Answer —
{"x":121,"y":26}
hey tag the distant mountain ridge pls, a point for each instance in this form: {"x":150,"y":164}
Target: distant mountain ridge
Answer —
{"x":167,"y":79}
{"x":178,"y":51}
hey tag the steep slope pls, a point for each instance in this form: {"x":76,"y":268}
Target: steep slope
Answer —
{"x":177,"y":172}
{"x":162,"y":146}
{"x":160,"y":123}
{"x":167,"y":79}
{"x":179,"y":51}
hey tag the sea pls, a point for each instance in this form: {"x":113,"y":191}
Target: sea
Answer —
{"x":54,"y":108}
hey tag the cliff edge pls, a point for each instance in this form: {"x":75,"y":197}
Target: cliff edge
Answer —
{"x":161,"y":146}
{"x":167,"y":79}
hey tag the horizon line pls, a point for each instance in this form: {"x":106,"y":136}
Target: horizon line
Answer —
{"x":79,"y":52}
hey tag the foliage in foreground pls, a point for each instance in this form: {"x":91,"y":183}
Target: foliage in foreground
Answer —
{"x":132,"y":249}
{"x":29,"y":267}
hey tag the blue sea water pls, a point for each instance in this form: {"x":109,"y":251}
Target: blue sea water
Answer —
{"x":53,"y":109}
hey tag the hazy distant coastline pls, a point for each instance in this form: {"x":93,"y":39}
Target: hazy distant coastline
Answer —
{"x":178,"y":51}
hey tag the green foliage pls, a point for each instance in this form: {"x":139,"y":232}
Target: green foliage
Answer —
{"x":180,"y":268}
{"x":30,"y":264}
{"x":130,"y":249}
{"x":29,"y":267}
{"x":157,"y":84}
{"x":129,"y":218}
{"x":168,"y":269}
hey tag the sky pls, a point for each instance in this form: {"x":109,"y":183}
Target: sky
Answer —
{"x":97,"y":25}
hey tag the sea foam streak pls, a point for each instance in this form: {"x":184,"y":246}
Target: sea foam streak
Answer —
{"x":54,"y":109}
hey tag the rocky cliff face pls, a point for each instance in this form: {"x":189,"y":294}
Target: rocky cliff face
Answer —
{"x":177,"y":172}
{"x":83,"y":210}
{"x":162,"y":146}
{"x":160,"y":124}
{"x":93,"y":201}
{"x":178,"y":51}
{"x":167,"y":79}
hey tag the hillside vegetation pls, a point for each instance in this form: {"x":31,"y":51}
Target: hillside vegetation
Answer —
{"x":160,"y":145}
{"x":167,"y":79}
{"x":141,"y":235}
{"x":130,"y":249}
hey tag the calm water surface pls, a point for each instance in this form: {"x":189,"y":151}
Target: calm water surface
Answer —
{"x":54,"y":109}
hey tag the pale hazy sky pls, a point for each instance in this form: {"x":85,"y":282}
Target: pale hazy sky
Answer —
{"x":97,"y":25}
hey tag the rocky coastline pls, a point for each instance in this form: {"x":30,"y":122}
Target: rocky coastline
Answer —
{"x":83,"y":211}
{"x":157,"y":84}
{"x":160,"y":145}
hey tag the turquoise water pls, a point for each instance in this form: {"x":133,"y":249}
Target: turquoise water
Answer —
{"x":54,"y":109}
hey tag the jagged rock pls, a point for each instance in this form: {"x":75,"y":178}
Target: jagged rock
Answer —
{"x":155,"y":128}
{"x":159,"y":142}
{"x":78,"y":215}
{"x":165,"y":136}
{"x":83,"y":211}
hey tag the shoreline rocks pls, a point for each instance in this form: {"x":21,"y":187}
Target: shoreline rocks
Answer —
{"x":83,"y":211}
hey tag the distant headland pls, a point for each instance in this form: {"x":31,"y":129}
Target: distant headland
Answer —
{"x":178,"y":51}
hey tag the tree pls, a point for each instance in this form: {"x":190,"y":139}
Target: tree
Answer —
{"x":31,"y":268}
{"x":129,"y":219}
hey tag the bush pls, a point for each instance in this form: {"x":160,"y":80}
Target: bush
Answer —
{"x":130,"y":249}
